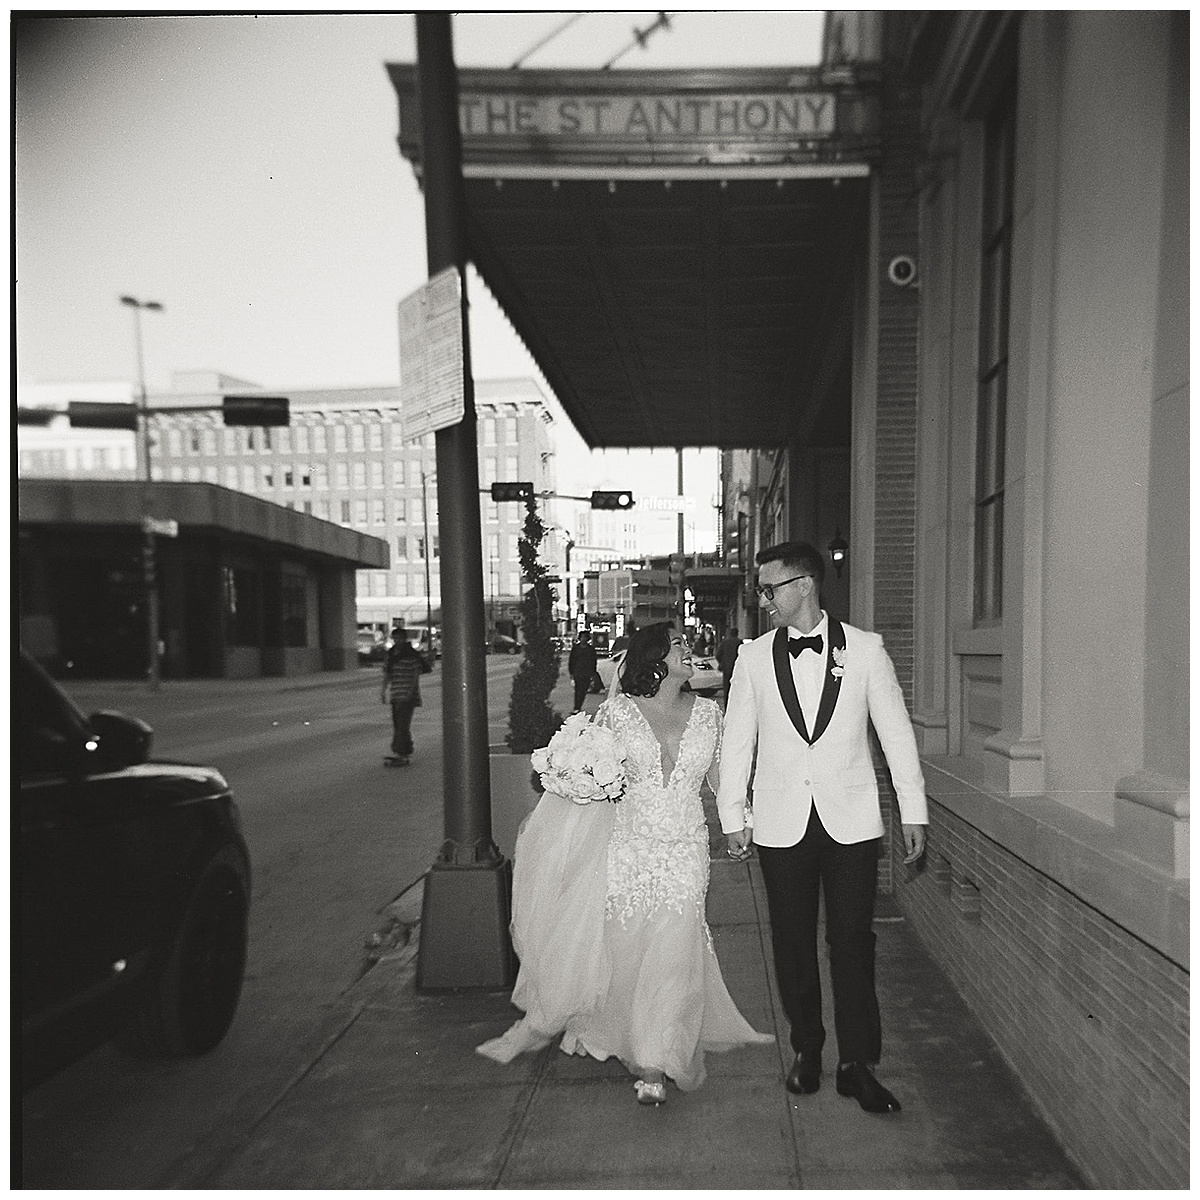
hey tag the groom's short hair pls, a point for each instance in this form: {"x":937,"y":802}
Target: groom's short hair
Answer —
{"x":796,"y":556}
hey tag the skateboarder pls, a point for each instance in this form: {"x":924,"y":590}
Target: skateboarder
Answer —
{"x":402,"y":671}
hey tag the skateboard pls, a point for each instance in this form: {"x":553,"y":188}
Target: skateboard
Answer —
{"x":395,"y":760}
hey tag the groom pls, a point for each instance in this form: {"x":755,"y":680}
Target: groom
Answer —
{"x":798,"y":711}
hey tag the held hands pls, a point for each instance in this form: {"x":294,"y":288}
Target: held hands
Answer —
{"x":739,"y":845}
{"x":914,"y":842}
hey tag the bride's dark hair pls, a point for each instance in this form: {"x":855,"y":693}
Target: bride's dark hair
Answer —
{"x":644,"y":666}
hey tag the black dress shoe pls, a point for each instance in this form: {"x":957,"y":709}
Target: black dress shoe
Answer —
{"x":855,"y":1079}
{"x":805,"y":1076}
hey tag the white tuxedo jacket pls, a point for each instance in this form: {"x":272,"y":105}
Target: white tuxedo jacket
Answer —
{"x":830,"y":765}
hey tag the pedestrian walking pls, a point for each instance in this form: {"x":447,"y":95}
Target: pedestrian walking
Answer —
{"x":581,"y":666}
{"x":726,"y":657}
{"x":403,"y":667}
{"x":798,"y":711}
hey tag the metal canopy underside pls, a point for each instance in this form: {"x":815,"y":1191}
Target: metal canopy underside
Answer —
{"x":678,"y":285}
{"x":682,"y":314}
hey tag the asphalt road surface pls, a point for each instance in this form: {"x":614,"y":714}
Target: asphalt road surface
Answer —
{"x":335,"y":837}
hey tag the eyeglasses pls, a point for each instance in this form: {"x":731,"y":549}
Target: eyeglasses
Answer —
{"x":768,"y":589}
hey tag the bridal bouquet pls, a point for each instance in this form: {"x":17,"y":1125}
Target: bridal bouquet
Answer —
{"x":583,"y":762}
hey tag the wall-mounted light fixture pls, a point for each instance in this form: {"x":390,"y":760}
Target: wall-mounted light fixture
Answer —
{"x":837,"y":552}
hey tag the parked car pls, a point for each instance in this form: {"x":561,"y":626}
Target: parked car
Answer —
{"x":371,"y":647}
{"x":503,"y":644}
{"x":134,"y":888}
{"x":707,"y":678}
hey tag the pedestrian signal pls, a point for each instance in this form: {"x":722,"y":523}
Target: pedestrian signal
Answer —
{"x":255,"y":410}
{"x":102,"y":414}
{"x":612,"y":499}
{"x":512,"y":491}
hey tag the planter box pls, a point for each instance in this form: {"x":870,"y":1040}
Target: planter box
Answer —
{"x":513,"y":798}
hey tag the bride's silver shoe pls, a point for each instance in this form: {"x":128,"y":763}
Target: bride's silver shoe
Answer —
{"x":651,"y":1093}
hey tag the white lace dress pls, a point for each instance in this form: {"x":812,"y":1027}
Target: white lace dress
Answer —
{"x":608,"y":915}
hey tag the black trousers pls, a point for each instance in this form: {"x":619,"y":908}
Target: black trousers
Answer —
{"x":582,"y":683}
{"x":402,"y":715}
{"x":794,"y":876}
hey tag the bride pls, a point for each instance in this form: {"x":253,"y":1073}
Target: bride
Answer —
{"x":608,"y":899}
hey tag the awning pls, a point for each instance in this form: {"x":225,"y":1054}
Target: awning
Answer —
{"x":676,"y":249}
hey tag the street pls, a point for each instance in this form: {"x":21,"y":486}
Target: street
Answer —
{"x":335,"y":837}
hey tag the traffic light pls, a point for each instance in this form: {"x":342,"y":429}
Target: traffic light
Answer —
{"x":102,"y":414}
{"x":255,"y":410}
{"x":675,"y":569}
{"x":612,"y":499}
{"x":511,"y":491}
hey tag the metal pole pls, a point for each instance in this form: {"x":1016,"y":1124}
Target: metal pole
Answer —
{"x":428,"y":555}
{"x":149,"y":547}
{"x":464,"y":921}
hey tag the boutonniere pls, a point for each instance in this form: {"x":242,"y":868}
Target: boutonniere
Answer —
{"x":839,"y":662}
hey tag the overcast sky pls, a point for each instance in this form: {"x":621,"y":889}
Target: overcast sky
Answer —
{"x":243,"y":171}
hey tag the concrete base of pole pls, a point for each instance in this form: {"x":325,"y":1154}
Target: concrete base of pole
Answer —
{"x":465,"y":941}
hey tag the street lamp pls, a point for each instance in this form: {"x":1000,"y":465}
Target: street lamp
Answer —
{"x":149,"y":568}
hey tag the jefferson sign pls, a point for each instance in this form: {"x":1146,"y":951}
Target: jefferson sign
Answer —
{"x":668,"y":118}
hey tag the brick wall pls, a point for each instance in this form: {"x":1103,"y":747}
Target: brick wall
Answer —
{"x":896,"y":405}
{"x":1092,"y":1020}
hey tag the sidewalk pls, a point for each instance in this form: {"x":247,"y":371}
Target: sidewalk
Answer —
{"x":399,"y":1099}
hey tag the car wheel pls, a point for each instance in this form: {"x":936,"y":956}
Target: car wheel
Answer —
{"x":192,"y":1005}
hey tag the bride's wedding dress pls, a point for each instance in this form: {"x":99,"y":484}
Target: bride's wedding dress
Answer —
{"x":608,"y":915}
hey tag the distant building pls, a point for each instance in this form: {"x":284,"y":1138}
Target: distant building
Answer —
{"x":344,"y":458}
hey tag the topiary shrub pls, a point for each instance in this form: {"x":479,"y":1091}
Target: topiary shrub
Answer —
{"x":531,"y":720}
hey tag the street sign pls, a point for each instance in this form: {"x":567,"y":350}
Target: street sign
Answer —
{"x":260,"y":411}
{"x":432,"y":395}
{"x":163,"y":528}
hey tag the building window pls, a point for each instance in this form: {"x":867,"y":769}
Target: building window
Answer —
{"x":992,"y":393}
{"x":247,"y":478}
{"x":231,"y":477}
{"x":375,"y":436}
{"x":362,"y":582}
{"x":308,"y":507}
{"x":402,"y":547}
{"x":417,"y":510}
{"x":511,"y":469}
{"x":378,"y":513}
{"x":229,"y":437}
{"x":493,"y":547}
{"x":510,"y":429}
{"x":304,"y":475}
{"x":489,"y":431}
{"x":345,"y":512}
{"x":321,"y":509}
{"x":284,"y":445}
{"x":341,"y":474}
{"x":318,"y":439}
{"x":437,"y":548}
{"x":294,"y":615}
{"x":194,"y":439}
{"x":358,"y":473}
{"x":243,"y":604}
{"x":173,"y":443}
{"x":357,"y":440}
{"x":301,"y":439}
{"x":413,"y":470}
{"x":268,"y":477}
{"x":266,"y":439}
{"x":289,"y":478}
{"x":320,"y":476}
{"x":397,"y":435}
{"x":420,"y":544}
{"x":250,"y":442}
{"x":376,"y":469}
{"x":489,"y":471}
{"x":210,"y":474}
{"x":401,"y":510}
{"x":360,"y":512}
{"x":339,"y":438}
{"x":491,"y":511}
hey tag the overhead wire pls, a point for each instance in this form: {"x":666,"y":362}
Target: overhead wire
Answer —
{"x":547,"y":39}
{"x":640,"y":38}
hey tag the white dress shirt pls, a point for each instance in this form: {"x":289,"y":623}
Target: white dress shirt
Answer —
{"x":808,"y":670}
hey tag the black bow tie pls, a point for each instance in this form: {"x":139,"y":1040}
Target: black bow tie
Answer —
{"x":796,"y":646}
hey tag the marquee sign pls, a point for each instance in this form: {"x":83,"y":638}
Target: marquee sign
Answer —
{"x":484,"y":115}
{"x":546,"y":120}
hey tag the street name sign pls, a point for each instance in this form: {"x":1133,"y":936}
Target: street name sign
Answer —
{"x":432,"y":394}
